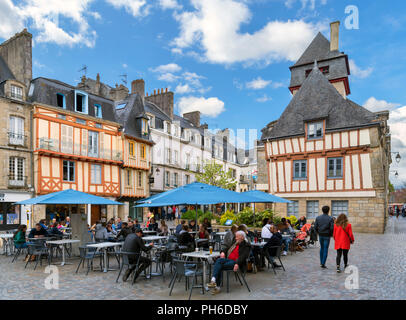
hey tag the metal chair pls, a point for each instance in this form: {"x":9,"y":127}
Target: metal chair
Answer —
{"x":238,"y":276}
{"x":37,"y":250}
{"x":277,"y":255}
{"x":88,"y":254}
{"x":125,"y":261}
{"x":187,"y":270}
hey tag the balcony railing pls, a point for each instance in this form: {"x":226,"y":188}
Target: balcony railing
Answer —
{"x":76,"y":149}
{"x":16,"y":139}
{"x":17,"y":181}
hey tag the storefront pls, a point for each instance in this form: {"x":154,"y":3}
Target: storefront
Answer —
{"x":136,"y":213}
{"x":11,"y":215}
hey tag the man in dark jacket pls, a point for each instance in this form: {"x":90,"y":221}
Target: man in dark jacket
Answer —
{"x":324,"y":226}
{"x":274,"y":241}
{"x":133,"y":243}
{"x":234,"y":258}
{"x":38,"y":232}
{"x":124,"y":232}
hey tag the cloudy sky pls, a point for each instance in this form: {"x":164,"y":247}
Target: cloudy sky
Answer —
{"x":228,"y":58}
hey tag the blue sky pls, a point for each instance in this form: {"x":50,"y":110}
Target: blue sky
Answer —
{"x":228,"y":58}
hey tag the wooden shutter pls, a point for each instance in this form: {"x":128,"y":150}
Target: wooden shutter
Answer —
{"x":101,"y":151}
{"x":84,"y":142}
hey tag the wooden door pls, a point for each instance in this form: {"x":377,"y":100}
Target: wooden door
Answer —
{"x":95,"y":214}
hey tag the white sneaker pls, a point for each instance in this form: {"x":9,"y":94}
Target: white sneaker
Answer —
{"x":284,"y":253}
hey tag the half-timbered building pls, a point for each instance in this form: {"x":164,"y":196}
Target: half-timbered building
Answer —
{"x":326,"y":149}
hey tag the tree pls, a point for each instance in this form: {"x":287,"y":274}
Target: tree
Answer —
{"x":213,"y":174}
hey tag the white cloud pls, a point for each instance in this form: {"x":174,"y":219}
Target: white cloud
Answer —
{"x":182,"y":89}
{"x":374,"y":105}
{"x":358,"y":72}
{"x":215,"y":25}
{"x":133,"y":7}
{"x":210,"y":107}
{"x":264,"y":98}
{"x":170,"y":4}
{"x":168,"y":77}
{"x":258,"y":84}
{"x":305,"y":3}
{"x":171,"y":67}
{"x":11,"y":21}
{"x":125,"y":66}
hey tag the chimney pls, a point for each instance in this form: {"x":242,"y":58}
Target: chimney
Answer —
{"x":193,"y":117}
{"x":334,"y":35}
{"x":163,"y":100}
{"x":138,"y":87}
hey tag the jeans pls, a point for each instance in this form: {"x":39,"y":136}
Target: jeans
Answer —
{"x":286,"y":242}
{"x":21,"y":245}
{"x":324,"y":244}
{"x":220,"y":265}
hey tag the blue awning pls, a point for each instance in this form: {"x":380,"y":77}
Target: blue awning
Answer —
{"x":263,"y":197}
{"x":69,"y":196}
{"x":196,"y":193}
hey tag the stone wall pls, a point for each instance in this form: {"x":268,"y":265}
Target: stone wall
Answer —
{"x":164,"y":100}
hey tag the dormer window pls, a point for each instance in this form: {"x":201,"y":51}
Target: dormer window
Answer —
{"x":97,"y":110}
{"x":315,"y":130}
{"x":324,"y":70}
{"x":16,"y":92}
{"x":60,"y":100}
{"x":81,"y":102}
{"x":144,"y":126}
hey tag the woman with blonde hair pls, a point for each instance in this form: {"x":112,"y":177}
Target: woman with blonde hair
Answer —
{"x":343,"y":238}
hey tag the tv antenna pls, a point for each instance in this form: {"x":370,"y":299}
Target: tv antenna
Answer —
{"x":124,"y":78}
{"x":84,"y":70}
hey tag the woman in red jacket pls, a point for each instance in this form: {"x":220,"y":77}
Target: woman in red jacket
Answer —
{"x":343,"y":238}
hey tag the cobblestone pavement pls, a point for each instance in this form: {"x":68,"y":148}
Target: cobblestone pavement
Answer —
{"x":380,"y":260}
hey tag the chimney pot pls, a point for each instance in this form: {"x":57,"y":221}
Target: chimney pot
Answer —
{"x":138,"y":87}
{"x":334,"y":35}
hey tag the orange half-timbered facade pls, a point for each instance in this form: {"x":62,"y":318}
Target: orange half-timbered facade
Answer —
{"x":327,"y":150}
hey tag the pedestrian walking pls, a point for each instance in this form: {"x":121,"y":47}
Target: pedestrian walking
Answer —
{"x":177,"y":215}
{"x":169,"y":213}
{"x":343,"y":238}
{"x":324,"y":226}
{"x":397,"y":212}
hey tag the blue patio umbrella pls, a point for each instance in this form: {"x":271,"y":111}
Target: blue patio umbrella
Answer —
{"x":69,"y":196}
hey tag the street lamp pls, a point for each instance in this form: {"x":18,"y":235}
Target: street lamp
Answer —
{"x":396,"y":173}
{"x":398,"y":157}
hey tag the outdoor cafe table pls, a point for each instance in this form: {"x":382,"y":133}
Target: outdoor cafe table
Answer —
{"x":102,"y":246}
{"x":63,"y":244}
{"x":205,"y":256}
{"x":149,"y":232}
{"x":7,"y":238}
{"x":154,"y":238}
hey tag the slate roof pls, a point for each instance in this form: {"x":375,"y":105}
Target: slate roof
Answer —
{"x":318,"y":99}
{"x":319,"y":49}
{"x":5,"y":72}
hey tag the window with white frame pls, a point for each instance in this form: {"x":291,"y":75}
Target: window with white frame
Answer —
{"x":335,"y":167}
{"x":81,"y":102}
{"x":16,"y":92}
{"x":293,"y":208}
{"x":187,"y":179}
{"x":98,"y":111}
{"x":175,"y":179}
{"x":93,"y":146}
{"x":16,"y":133}
{"x":339,"y":207}
{"x":16,"y":169}
{"x":95,"y":174}
{"x":300,"y":169}
{"x":176,"y":156}
{"x":68,"y":171}
{"x":315,"y":130}
{"x":167,"y":177}
{"x":168,"y":155}
{"x":312,"y":209}
{"x":187,"y":167}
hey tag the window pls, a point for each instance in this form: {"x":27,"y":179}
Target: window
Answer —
{"x":16,"y":169}
{"x":95,"y":174}
{"x":167,"y":178}
{"x":175,"y":179}
{"x":144,"y":126}
{"x":68,"y":171}
{"x":16,"y":92}
{"x":97,"y":111}
{"x":168,"y":155}
{"x":16,"y":133}
{"x":81,"y":102}
{"x":168,"y":127}
{"x":176,"y":156}
{"x":93,"y":150}
{"x":325,"y":70}
{"x":335,"y":167}
{"x":293,"y":209}
{"x":131,"y":148}
{"x":198,"y":164}
{"x":300,"y":169}
{"x":142,"y":151}
{"x":187,"y":166}
{"x":315,"y":130}
{"x":339,"y":207}
{"x":60,"y":100}
{"x":140,"y":179}
{"x":312,"y":209}
{"x":187,"y":179}
{"x":128,"y":177}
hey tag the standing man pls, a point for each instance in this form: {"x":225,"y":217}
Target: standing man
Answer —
{"x":324,"y":226}
{"x":169,"y":213}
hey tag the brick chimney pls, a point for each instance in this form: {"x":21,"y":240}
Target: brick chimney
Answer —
{"x":193,"y":117}
{"x":17,"y":53}
{"x":163,"y":100}
{"x":138,"y":86}
{"x":334,"y":35}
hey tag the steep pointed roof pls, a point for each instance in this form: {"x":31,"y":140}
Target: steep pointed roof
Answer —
{"x":5,"y":72}
{"x":319,"y":49}
{"x":318,"y":99}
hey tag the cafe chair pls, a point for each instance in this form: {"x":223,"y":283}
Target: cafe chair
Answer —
{"x":187,"y":270}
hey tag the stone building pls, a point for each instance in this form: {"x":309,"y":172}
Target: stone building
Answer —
{"x":16,"y":181}
{"x":326,"y":149}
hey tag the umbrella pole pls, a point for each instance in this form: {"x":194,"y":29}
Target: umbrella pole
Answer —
{"x":196,"y":216}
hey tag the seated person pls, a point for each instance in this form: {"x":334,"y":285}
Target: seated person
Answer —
{"x":136,"y":224}
{"x":111,"y":232}
{"x":179,"y":227}
{"x":164,"y":230}
{"x":54,"y":231}
{"x":300,"y":223}
{"x":153,"y":226}
{"x":233,"y":258}
{"x":125,"y":231}
{"x":101,"y":233}
{"x":185,"y":238}
{"x":19,"y":237}
{"x":203,"y":234}
{"x":43,"y":224}
{"x":287,"y":234}
{"x":207,"y":224}
{"x":133,"y":243}
{"x":229,"y":238}
{"x":38,"y":232}
{"x":266,"y":233}
{"x":192,"y":225}
{"x":248,"y":234}
{"x":274,"y":241}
